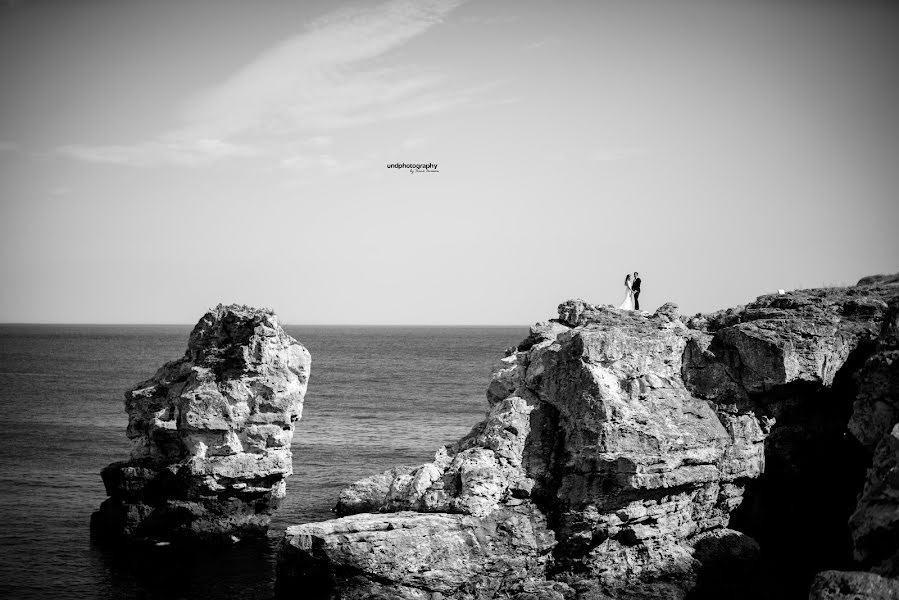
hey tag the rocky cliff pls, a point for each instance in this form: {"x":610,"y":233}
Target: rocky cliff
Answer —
{"x":210,"y":434}
{"x":634,"y":455}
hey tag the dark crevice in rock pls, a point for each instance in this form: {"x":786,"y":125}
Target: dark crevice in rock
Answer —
{"x":798,"y":509}
{"x":544,"y":454}
{"x":304,"y":574}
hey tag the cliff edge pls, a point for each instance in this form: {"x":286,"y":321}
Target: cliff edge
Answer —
{"x":629,"y":455}
{"x":210,"y":434}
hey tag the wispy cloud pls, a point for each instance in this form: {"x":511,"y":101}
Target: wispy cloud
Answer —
{"x":172,"y":149}
{"x":541,"y":42}
{"x":611,"y":154}
{"x":493,"y":19}
{"x":301,"y":162}
{"x":321,"y":141}
{"x":413,"y":142}
{"x":318,"y":80}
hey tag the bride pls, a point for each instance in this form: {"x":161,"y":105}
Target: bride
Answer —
{"x":628,"y":303}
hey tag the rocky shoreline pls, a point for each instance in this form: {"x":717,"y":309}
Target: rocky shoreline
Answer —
{"x":636,"y":455}
{"x":624,"y":455}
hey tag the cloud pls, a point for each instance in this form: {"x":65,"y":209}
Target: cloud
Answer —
{"x":493,"y":20}
{"x":611,"y":154}
{"x":168,"y":149}
{"x":321,"y":141}
{"x":320,"y":79}
{"x":413,"y":142}
{"x":540,"y":43}
{"x":302,"y":162}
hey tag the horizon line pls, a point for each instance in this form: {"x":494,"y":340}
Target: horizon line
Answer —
{"x":282,"y":324}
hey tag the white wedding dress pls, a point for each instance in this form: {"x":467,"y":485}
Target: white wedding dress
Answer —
{"x":628,"y":303}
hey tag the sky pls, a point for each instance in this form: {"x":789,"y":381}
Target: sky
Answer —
{"x":157,"y":158}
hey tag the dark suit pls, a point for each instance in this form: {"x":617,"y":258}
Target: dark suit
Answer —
{"x":636,"y":288}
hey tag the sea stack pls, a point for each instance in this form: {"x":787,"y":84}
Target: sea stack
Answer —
{"x":635,"y":455}
{"x":210,"y":435}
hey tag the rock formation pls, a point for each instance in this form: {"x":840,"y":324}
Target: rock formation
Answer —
{"x":794,"y":360}
{"x":210,"y":434}
{"x":875,"y":422}
{"x":853,"y":585}
{"x":628,"y":455}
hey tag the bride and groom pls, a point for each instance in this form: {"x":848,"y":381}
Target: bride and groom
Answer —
{"x":631,"y":292}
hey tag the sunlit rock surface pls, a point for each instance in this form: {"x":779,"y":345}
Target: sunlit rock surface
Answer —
{"x":655,"y":456}
{"x":210,"y":434}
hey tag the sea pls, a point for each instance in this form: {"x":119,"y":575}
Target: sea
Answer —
{"x":378,"y":397}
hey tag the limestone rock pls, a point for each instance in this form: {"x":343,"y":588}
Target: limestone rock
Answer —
{"x":576,"y":313}
{"x":408,"y":555}
{"x":544,"y":331}
{"x":878,"y":279}
{"x":876,"y":408}
{"x":210,"y":434}
{"x":369,"y":494}
{"x":788,"y":362}
{"x":471,"y":477}
{"x":875,"y":422}
{"x":729,"y":564}
{"x":627,"y":461}
{"x":629,"y":440}
{"x":875,"y":522}
{"x":781,"y":339}
{"x":853,"y":585}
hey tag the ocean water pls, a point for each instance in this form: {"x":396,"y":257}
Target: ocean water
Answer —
{"x":378,"y":397}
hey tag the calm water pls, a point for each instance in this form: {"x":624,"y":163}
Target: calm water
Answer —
{"x":378,"y":397}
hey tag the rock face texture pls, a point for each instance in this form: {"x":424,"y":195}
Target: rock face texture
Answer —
{"x":792,"y":361}
{"x":629,"y":455}
{"x":875,"y":422}
{"x":853,"y":585}
{"x":418,"y":555}
{"x":210,"y":434}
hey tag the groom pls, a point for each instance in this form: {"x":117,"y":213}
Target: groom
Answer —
{"x":636,"y":287}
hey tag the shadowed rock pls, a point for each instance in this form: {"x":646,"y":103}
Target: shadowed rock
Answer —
{"x":853,"y":585}
{"x":875,"y":422}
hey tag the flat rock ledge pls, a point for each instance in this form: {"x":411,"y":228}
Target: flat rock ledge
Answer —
{"x":853,"y":585}
{"x":210,"y":435}
{"x":416,"y":555}
{"x":635,"y":455}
